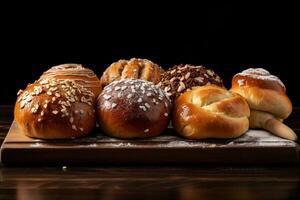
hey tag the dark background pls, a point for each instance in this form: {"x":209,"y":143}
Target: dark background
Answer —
{"x":227,"y":38}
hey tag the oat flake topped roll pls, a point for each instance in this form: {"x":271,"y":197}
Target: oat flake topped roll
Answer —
{"x":55,"y":109}
{"x":76,"y":72}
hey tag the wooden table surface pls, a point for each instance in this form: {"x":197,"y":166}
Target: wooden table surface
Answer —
{"x":149,"y":182}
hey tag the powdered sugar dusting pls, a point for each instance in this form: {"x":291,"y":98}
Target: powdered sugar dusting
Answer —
{"x":137,"y":92}
{"x":262,"y":74}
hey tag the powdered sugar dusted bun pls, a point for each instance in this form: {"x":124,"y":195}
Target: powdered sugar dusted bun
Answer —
{"x":269,"y":104}
{"x":262,"y":75}
{"x":131,"y":108}
{"x":263,"y":91}
{"x":53,"y":109}
{"x":76,"y":72}
{"x":135,"y":68}
{"x":181,"y":78}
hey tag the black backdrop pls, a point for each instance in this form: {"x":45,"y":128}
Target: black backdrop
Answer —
{"x":226,"y":38}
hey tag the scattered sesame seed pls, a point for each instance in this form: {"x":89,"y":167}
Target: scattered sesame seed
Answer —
{"x":57,"y":94}
{"x":129,"y":96}
{"x":49,"y":93}
{"x":81,"y":129}
{"x":19,"y":92}
{"x":113,"y":105}
{"x":117,"y":88}
{"x":71,"y":120}
{"x":22,"y":105}
{"x":147,"y":105}
{"x":124,"y":87}
{"x":42,"y":113}
{"x":143,"y":108}
{"x":139,"y":100}
{"x":106,"y":96}
{"x":54,"y":112}
{"x":148,"y":94}
{"x":146,"y":130}
{"x":74,"y":127}
{"x":166,"y":114}
{"x":45,"y":105}
{"x":39,"y":119}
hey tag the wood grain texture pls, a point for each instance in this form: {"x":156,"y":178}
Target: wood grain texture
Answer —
{"x":117,"y":181}
{"x":167,"y":182}
{"x":256,"y":146}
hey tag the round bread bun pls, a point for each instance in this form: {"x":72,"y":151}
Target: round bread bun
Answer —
{"x":210,"y":112}
{"x":266,"y":96}
{"x":133,"y":108}
{"x":263,"y":92}
{"x":55,"y":109}
{"x":135,"y":68}
{"x":181,"y":78}
{"x":83,"y":76}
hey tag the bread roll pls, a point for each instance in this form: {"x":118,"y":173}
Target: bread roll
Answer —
{"x":131,"y":108}
{"x":134,"y":68}
{"x":181,"y":78}
{"x":55,"y":109}
{"x":210,"y":112}
{"x":77,"y":73}
{"x":266,"y":96}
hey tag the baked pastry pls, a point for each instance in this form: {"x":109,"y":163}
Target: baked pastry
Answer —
{"x":133,"y":108}
{"x":83,"y":76}
{"x":55,"y":109}
{"x":210,"y":112}
{"x":265,"y":94}
{"x":181,"y":78}
{"x":135,"y":68}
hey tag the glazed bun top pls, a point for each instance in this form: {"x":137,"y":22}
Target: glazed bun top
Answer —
{"x":181,"y":78}
{"x":263,"y":92}
{"x":135,"y":68}
{"x":75,"y":72}
{"x":258,"y":77}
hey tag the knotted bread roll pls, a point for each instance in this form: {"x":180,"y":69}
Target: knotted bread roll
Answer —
{"x":210,"y":112}
{"x":266,"y":96}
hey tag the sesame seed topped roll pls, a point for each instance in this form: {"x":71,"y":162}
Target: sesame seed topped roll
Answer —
{"x":131,"y":108}
{"x":55,"y":109}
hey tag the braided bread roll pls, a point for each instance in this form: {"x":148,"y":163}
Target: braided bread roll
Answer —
{"x":210,"y":112}
{"x":266,"y":96}
{"x":134,"y":68}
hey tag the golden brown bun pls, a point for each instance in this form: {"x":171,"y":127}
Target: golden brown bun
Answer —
{"x":181,"y":78}
{"x":266,"y":96}
{"x":134,"y":68}
{"x":54,"y":109}
{"x":131,"y":108}
{"x":210,"y":112}
{"x":83,"y":76}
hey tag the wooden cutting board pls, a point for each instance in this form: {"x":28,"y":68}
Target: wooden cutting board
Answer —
{"x":256,"y":146}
